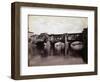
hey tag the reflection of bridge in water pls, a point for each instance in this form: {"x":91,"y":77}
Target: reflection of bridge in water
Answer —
{"x":38,"y":59}
{"x":55,"y":60}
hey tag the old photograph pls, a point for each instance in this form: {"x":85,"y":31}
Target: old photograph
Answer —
{"x":57,"y":40}
{"x":53,"y":40}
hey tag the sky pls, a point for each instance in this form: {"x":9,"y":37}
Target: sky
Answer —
{"x":56,"y":24}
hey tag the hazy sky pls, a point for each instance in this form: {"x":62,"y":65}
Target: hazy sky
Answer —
{"x":56,"y":24}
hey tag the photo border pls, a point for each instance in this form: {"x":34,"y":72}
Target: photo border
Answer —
{"x":15,"y":39}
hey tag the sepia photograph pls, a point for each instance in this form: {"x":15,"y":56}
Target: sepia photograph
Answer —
{"x":53,"y":40}
{"x":57,"y":40}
